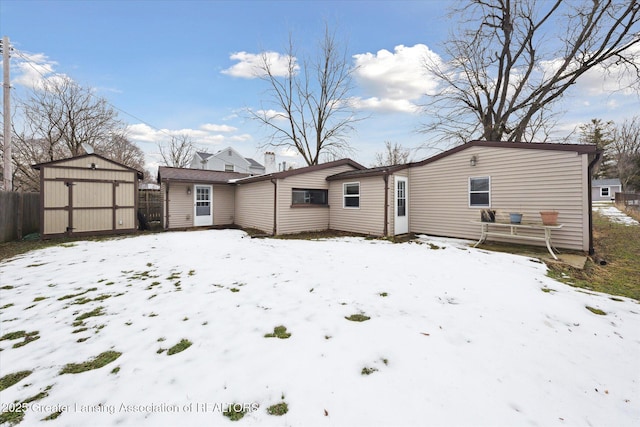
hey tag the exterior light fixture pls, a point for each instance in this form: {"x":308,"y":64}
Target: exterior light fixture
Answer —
{"x":473,"y":160}
{"x":188,"y":190}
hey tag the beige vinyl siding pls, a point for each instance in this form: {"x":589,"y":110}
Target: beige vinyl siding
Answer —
{"x":85,"y":162}
{"x":369,"y":217}
{"x":254,"y":206}
{"x":56,"y":194}
{"x":55,"y":222}
{"x":308,"y":218}
{"x":75,"y":174}
{"x":522,"y":180}
{"x":180,"y":205}
{"x":223,"y":204}
{"x":93,"y":206}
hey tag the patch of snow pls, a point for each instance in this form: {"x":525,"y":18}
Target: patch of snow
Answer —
{"x":615,"y":215}
{"x":458,"y":336}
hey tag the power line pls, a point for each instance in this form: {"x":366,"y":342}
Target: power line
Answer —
{"x":29,"y":62}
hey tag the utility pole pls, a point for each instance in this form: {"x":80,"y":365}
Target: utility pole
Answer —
{"x":6,"y":92}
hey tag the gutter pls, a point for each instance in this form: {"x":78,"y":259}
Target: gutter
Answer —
{"x":386,"y":202}
{"x":275,"y":205}
{"x":589,"y":175}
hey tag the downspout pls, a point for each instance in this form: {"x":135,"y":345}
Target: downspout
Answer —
{"x":275,"y":205}
{"x":589,"y":175}
{"x":166,"y":202}
{"x":386,"y":203}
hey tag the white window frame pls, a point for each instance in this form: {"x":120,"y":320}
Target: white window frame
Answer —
{"x":478,"y":192}
{"x":345,"y":195}
{"x":229,"y":167}
{"x":608,"y":192}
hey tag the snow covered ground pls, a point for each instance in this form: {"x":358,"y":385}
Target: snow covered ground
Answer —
{"x":456,"y":336}
{"x":614,"y":214}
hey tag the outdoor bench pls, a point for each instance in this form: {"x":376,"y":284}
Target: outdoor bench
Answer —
{"x":510,"y":231}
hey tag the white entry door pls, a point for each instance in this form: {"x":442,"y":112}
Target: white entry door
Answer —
{"x":401,"y":206}
{"x":203,"y":209}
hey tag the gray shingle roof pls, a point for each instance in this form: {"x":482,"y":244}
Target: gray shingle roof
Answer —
{"x":166,"y":173}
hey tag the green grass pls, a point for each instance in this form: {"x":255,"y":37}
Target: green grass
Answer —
{"x":97,"y":362}
{"x":181,"y":346}
{"x":619,"y":245}
{"x":27,"y":337}
{"x":62,"y":298}
{"x":368,"y":371}
{"x":596,"y":311}
{"x":93,"y":313}
{"x":11,"y":379}
{"x":278,"y":409}
{"x":279,"y":332}
{"x":235,"y":411}
{"x":358,"y":318}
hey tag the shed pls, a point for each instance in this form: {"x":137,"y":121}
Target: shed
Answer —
{"x":87,"y":195}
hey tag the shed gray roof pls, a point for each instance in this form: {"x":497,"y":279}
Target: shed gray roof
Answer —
{"x":603,"y":182}
{"x":166,"y":173}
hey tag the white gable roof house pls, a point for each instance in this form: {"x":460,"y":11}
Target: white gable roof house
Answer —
{"x":226,"y":160}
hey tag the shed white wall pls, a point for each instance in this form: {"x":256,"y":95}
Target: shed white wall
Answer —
{"x":613,"y":189}
{"x":522,"y":180}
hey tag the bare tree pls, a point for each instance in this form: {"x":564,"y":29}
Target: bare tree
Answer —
{"x":394,"y":154}
{"x":511,"y":61}
{"x":67,"y":115}
{"x":311,"y":111}
{"x":120,"y":149}
{"x":625,"y":152}
{"x":56,"y":119}
{"x":178,"y":152}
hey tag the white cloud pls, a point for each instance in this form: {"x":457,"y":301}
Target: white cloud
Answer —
{"x":387,"y":105}
{"x":394,"y":80}
{"x":34,"y":70}
{"x":204,"y":137}
{"x":209,"y":127}
{"x":249,"y":64}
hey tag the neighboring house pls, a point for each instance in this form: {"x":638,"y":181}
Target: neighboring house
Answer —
{"x":87,"y":195}
{"x":227,"y":160}
{"x":605,"y":189}
{"x":442,"y":195}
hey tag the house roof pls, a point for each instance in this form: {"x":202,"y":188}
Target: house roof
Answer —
{"x":253,"y":163}
{"x":56,"y":162}
{"x":384,"y":170}
{"x":381,"y":170}
{"x":284,"y":174}
{"x":166,"y":173}
{"x":604,"y":182}
{"x":203,"y":156}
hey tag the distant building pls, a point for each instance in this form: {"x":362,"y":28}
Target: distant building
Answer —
{"x":227,"y":160}
{"x":605,"y":189}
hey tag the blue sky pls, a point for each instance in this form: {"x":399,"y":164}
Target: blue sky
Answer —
{"x":168,"y":66}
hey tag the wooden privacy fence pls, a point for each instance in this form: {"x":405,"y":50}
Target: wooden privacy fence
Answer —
{"x":19,"y":215}
{"x":150,"y":204}
{"x":628,"y":199}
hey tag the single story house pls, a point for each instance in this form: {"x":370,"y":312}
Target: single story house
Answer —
{"x":442,"y":195}
{"x":605,"y":189}
{"x":87,"y":195}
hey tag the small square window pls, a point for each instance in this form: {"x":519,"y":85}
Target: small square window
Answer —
{"x":229,"y":168}
{"x":351,"y":194}
{"x":480,"y":192}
